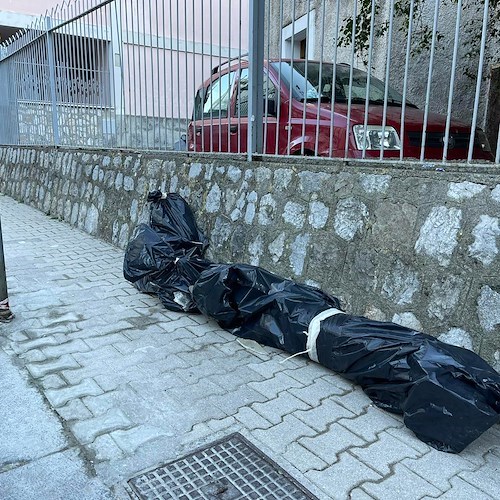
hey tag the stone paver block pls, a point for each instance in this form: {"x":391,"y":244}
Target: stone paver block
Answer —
{"x":231,"y":402}
{"x":251,"y":419}
{"x":461,"y":490}
{"x":302,"y":459}
{"x":403,"y":484}
{"x":356,"y":401}
{"x":221,"y":424}
{"x":487,"y":477}
{"x":130,"y":440}
{"x":273,"y":386}
{"x":107,"y":339}
{"x":33,"y":356}
{"x":74,"y":410}
{"x":59,"y":397}
{"x":87,"y":430}
{"x":20,"y":347}
{"x":56,"y":351}
{"x":369,"y":424}
{"x":313,"y":394}
{"x":106,"y":449}
{"x":275,"y":409}
{"x":322,"y":416}
{"x":340,"y":478}
{"x":269,"y":367}
{"x":39,"y":370}
{"x":447,"y":464}
{"x":384,"y":452}
{"x":53,"y":381}
{"x":280,"y":436}
{"x":331,"y":443}
{"x":308,"y":373}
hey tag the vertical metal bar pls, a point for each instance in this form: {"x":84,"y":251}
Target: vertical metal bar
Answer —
{"x":452,"y":79}
{"x":266,"y":90}
{"x":52,"y":76}
{"x":158,"y":84}
{"x":178,"y":93}
{"x":478,"y":81}
{"x":368,"y":78}
{"x":229,"y":59}
{"x":102,"y":68}
{"x":5,"y":312}
{"x":497,"y":155}
{"x":405,"y":79}
{"x":165,"y":106}
{"x":171,"y":74}
{"x":320,"y":77}
{"x":210,"y":14}
{"x":145,"y":55}
{"x":125,"y":126}
{"x":334,"y":78}
{"x":306,"y":67}
{"x":151,"y":68}
{"x":220,"y":63}
{"x":278,"y":92}
{"x":139,"y":76}
{"x":351,"y":74}
{"x":290,"y":100}
{"x":186,"y":69}
{"x":132,"y":90}
{"x":255,"y":77}
{"x":387,"y":73}
{"x":193,"y":55}
{"x":203,"y":74}
{"x":117,"y":36}
{"x":429,"y":80}
{"x":239,"y":80}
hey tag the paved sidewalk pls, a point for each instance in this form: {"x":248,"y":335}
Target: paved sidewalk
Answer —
{"x":135,"y":385}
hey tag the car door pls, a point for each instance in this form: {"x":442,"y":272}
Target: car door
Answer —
{"x":239,"y":119}
{"x":211,"y":108}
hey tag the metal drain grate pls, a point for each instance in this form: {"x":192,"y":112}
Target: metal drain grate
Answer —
{"x":229,"y":469}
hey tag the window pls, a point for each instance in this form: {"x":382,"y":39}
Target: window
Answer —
{"x":242,"y":98}
{"x":298,"y":37}
{"x":218,"y":96}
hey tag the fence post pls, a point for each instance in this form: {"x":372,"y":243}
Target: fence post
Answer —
{"x":255,"y":77}
{"x":52,"y":78}
{"x":5,"y":313}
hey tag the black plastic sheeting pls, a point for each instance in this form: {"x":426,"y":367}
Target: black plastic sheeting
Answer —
{"x":165,"y":257}
{"x":448,"y":395}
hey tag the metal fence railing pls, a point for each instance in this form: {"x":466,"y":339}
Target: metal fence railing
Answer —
{"x":359,"y":79}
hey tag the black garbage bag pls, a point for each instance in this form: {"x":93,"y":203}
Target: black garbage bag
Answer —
{"x":166,"y":257}
{"x":448,"y":395}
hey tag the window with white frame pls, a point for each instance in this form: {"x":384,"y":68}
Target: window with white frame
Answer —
{"x":298,"y":37}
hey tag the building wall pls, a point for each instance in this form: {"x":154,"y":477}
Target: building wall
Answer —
{"x":416,"y":245}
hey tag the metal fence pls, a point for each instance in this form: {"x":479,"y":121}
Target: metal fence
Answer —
{"x":361,"y":79}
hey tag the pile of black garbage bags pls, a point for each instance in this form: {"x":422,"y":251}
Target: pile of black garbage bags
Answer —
{"x":447,"y":395}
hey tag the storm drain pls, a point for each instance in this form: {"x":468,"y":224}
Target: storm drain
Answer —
{"x":229,"y":469}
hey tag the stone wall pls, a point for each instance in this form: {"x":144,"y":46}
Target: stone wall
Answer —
{"x":414,"y":244}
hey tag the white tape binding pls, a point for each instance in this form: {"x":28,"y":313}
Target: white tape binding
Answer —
{"x":313,"y":331}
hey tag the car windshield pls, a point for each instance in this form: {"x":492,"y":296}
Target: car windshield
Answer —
{"x":306,"y":84}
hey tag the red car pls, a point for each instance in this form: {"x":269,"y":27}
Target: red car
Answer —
{"x":298,"y":116}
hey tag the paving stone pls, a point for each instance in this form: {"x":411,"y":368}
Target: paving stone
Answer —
{"x":268,"y":368}
{"x":96,"y":354}
{"x":331,"y":443}
{"x":251,"y":419}
{"x":448,"y":465}
{"x":87,"y":430}
{"x":282,"y":435}
{"x":461,"y":490}
{"x":359,"y":494}
{"x":302,"y":459}
{"x":74,"y":410}
{"x":33,"y":356}
{"x":130,"y":440}
{"x":39,"y":370}
{"x":307,"y":374}
{"x":66,"y":348}
{"x":384,"y":453}
{"x":275,"y":409}
{"x":273,"y":386}
{"x":403,"y":484}
{"x":106,"y":449}
{"x":108,"y":339}
{"x":356,"y":401}
{"x":322,"y":416}
{"x":20,"y":347}
{"x":231,"y":402}
{"x":343,"y":476}
{"x":221,"y":424}
{"x":313,"y":394}
{"x":487,"y":477}
{"x":52,"y":382}
{"x":59,"y":397}
{"x":371,"y":423}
